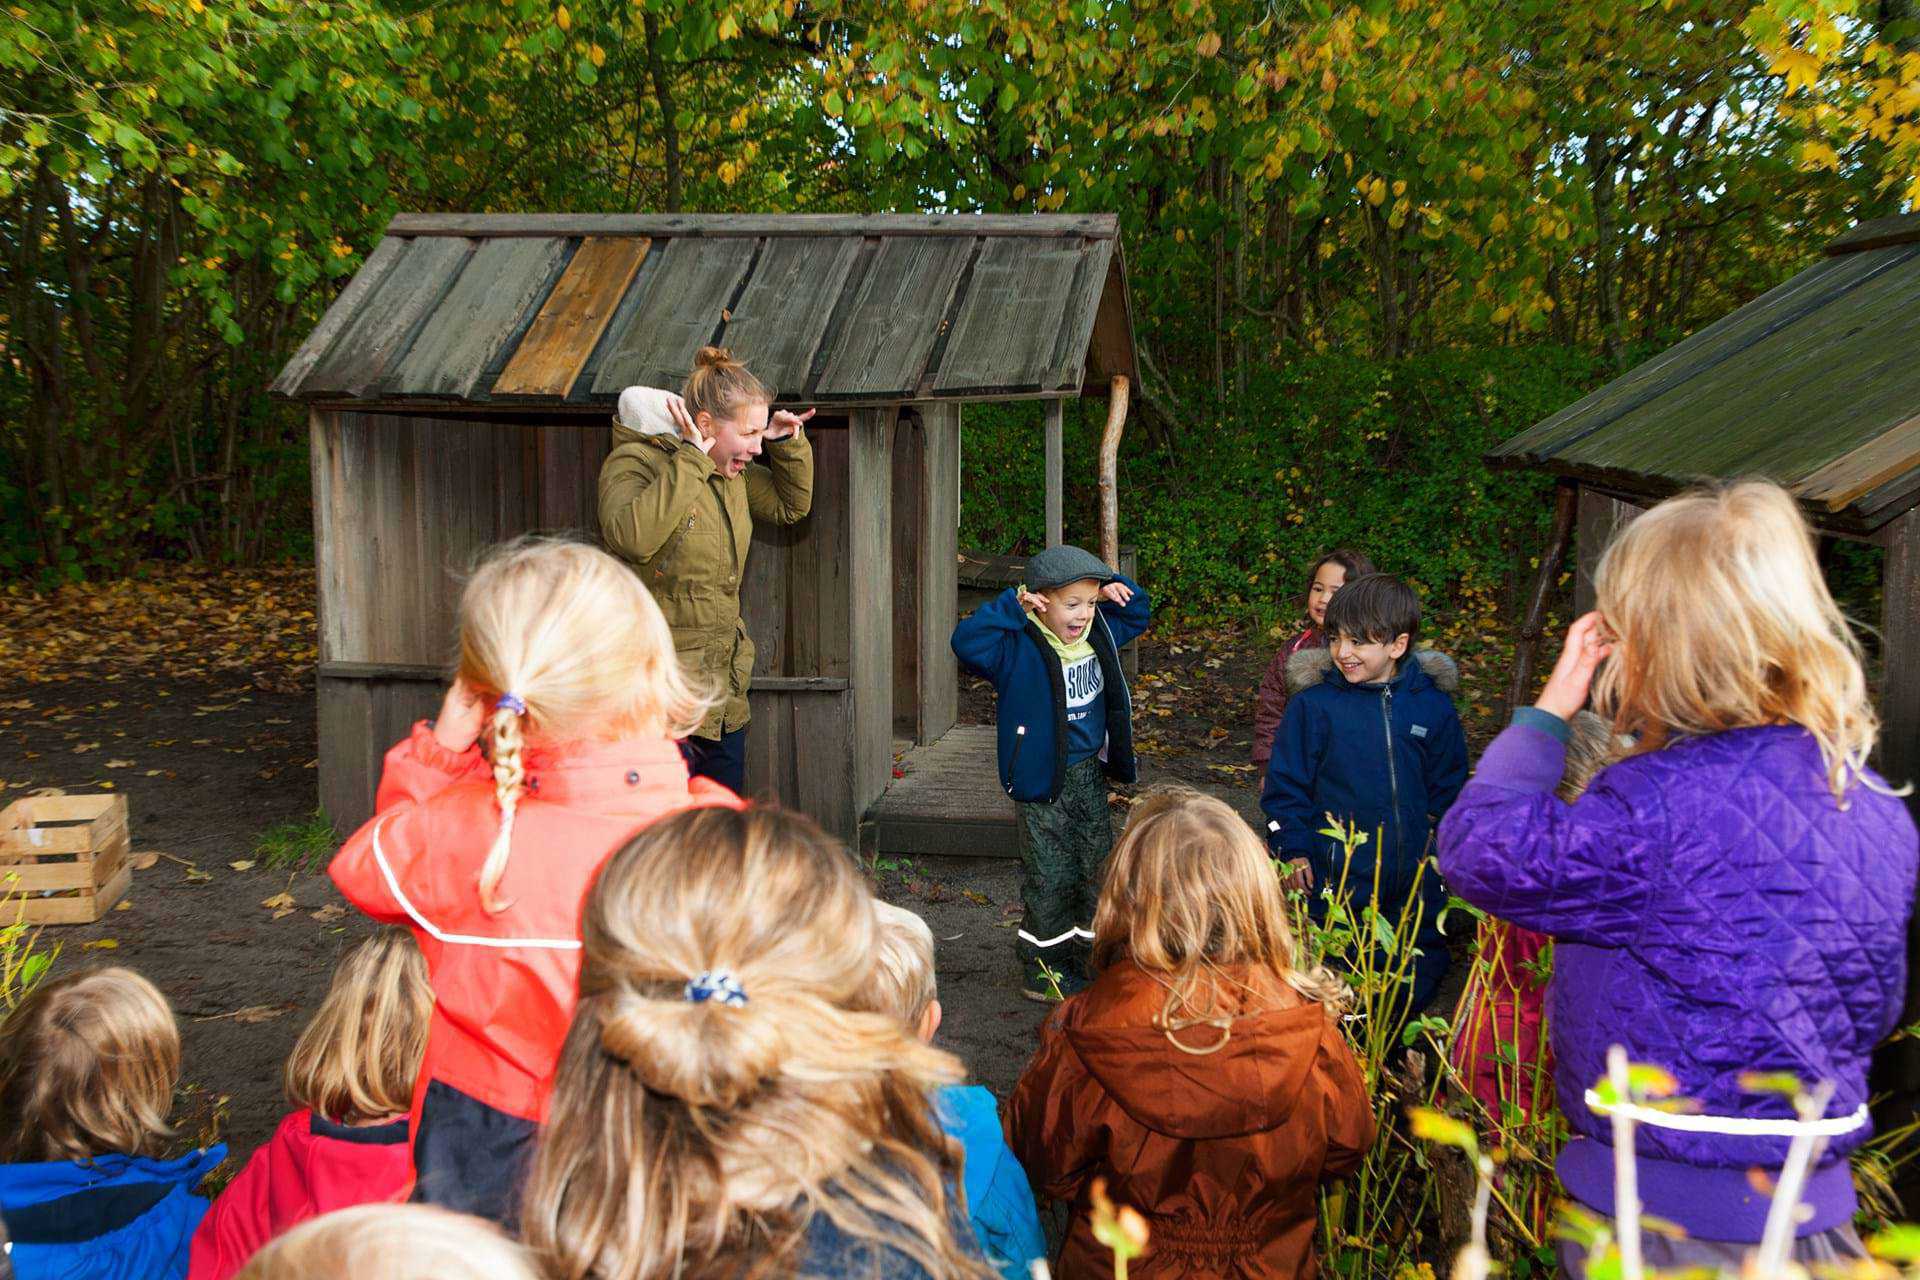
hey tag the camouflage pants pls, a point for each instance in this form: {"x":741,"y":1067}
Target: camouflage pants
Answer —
{"x":1063,"y":852}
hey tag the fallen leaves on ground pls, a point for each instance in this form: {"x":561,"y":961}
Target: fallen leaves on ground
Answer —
{"x":170,"y":620}
{"x":281,"y":904}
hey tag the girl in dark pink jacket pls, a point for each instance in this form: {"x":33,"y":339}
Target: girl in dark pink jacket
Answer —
{"x":1329,"y":573}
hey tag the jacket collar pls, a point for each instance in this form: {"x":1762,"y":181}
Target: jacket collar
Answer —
{"x":1418,"y":670}
{"x":33,"y":1182}
{"x":624,"y":775}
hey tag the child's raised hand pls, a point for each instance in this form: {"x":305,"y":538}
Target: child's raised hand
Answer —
{"x":1588,"y":645}
{"x":1118,"y":592}
{"x":1033,"y":602}
{"x":462,"y":713}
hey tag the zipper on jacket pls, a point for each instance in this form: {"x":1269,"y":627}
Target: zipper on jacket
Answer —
{"x":1120,"y":670}
{"x":1013,"y":761}
{"x":1393,"y":775}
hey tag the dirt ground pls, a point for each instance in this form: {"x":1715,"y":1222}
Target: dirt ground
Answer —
{"x":200,"y":711}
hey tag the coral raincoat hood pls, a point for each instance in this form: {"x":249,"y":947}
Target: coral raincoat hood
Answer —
{"x":1223,"y":1152}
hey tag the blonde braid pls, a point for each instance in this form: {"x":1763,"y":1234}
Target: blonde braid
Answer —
{"x":509,"y":773}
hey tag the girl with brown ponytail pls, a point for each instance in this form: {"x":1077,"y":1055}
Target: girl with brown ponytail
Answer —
{"x":555,"y":744}
{"x":726,"y":1106}
{"x":678,"y":500}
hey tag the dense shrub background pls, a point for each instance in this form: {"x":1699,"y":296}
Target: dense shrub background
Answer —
{"x":1330,"y":450}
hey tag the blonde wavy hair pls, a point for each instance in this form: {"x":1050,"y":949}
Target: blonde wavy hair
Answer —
{"x":360,"y":1055}
{"x":87,"y":1068}
{"x":577,"y":638}
{"x":1189,"y":891}
{"x":698,"y":1139}
{"x":391,"y":1242}
{"x":720,"y":385}
{"x":903,"y":979}
{"x":1722,"y":620}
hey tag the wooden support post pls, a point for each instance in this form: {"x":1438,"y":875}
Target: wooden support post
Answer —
{"x":870,"y":606}
{"x":1527,"y":647}
{"x":1110,"y":471}
{"x":1599,"y":517}
{"x":939,"y":569}
{"x":1900,"y":647}
{"x":1056,"y":472}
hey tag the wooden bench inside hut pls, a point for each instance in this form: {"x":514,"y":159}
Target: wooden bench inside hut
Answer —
{"x":460,"y":392}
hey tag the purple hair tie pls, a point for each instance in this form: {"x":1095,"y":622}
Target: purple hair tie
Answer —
{"x":512,"y":702}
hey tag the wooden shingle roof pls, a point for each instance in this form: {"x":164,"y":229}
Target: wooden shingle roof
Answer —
{"x":1815,"y":384}
{"x":557,"y":311}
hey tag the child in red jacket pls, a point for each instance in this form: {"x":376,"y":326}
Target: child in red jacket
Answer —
{"x":1329,"y":573}
{"x":567,"y":676}
{"x":351,"y":1076}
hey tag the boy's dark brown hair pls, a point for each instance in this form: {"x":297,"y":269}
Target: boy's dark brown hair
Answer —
{"x":1354,"y":562}
{"x":1375,"y":609}
{"x":87,"y":1068}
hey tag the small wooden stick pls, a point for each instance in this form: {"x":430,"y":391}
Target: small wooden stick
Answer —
{"x":1110,"y":472}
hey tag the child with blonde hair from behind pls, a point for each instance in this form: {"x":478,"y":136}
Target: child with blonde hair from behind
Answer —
{"x":351,"y":1076}
{"x":392,"y":1242}
{"x":555,"y":744}
{"x":88,"y":1063}
{"x":1203,"y":1075}
{"x":1731,"y":898}
{"x":999,"y":1198}
{"x":728,"y":1104}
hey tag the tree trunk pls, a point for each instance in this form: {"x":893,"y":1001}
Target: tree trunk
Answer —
{"x":669,"y":126}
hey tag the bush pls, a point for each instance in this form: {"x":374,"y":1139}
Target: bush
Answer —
{"x":1328,"y":450}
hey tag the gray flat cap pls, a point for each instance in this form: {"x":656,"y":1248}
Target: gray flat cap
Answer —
{"x":1057,"y":566}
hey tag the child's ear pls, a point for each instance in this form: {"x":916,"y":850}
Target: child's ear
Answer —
{"x":930,"y":1022}
{"x":1398,"y":649}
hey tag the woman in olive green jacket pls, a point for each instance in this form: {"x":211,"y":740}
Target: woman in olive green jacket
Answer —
{"x":678,"y":501}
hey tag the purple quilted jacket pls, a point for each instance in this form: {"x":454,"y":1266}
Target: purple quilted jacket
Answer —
{"x":1715,"y":912}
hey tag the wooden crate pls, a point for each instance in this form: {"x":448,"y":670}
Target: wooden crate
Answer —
{"x":65,"y":856}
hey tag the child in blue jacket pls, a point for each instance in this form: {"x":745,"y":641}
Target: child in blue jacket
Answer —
{"x":1371,"y":737}
{"x":1000,"y":1204}
{"x":87,"y":1068}
{"x":1065,"y":724}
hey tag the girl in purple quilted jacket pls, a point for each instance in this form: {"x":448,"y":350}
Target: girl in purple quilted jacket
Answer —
{"x":1734,"y":895}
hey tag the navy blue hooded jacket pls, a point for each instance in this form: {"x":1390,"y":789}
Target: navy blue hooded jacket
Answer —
{"x":997,"y":641}
{"x":1389,"y":758}
{"x":110,"y":1218}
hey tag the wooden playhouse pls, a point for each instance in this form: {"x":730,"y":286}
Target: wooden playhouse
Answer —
{"x":460,"y":392}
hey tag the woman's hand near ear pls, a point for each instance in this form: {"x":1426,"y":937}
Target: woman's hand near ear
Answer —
{"x":785,"y":425}
{"x":688,"y":428}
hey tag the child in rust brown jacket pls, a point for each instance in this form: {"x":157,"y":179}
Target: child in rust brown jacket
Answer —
{"x":1202,"y":1075}
{"x":1329,"y":573}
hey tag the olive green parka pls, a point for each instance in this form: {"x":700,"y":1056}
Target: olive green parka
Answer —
{"x":685,"y":528}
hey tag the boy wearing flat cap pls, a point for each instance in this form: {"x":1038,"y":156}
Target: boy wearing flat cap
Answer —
{"x":1065,"y":720}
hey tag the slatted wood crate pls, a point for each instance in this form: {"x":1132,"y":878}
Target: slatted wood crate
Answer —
{"x":66,"y":855}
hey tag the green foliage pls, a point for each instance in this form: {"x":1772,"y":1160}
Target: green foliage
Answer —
{"x":23,"y":961}
{"x":302,"y":844}
{"x":1332,"y":450}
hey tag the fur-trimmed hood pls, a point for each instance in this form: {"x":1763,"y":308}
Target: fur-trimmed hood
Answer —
{"x":1310,"y":667}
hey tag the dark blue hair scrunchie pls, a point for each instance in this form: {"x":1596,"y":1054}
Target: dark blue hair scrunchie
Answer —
{"x":721,"y":988}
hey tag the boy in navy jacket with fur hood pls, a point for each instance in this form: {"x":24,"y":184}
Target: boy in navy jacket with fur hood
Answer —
{"x":1370,"y":735}
{"x":1065,"y":725}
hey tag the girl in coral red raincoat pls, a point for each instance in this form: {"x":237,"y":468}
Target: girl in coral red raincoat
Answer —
{"x":567,"y":674}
